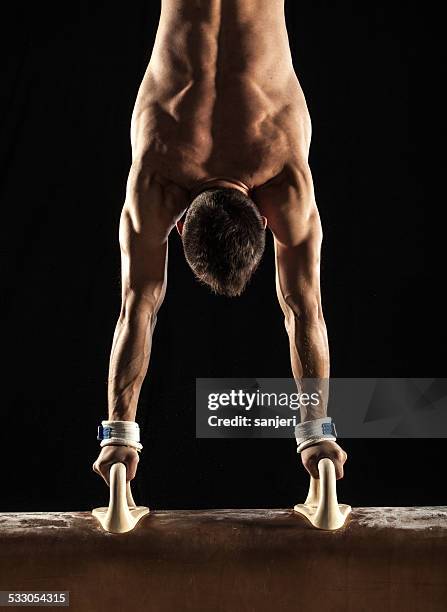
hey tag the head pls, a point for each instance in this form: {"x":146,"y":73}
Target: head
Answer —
{"x":223,"y":238}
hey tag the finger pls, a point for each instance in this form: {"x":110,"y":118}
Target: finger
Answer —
{"x":104,"y":471}
{"x":338,"y":465}
{"x":97,"y":468}
{"x":311,"y":467}
{"x":131,"y":467}
{"x":339,"y":472}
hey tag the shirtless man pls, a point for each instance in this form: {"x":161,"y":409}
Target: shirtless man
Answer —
{"x":220,"y":140}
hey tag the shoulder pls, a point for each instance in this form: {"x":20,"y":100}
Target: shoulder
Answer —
{"x":288,"y":203}
{"x":153,"y":204}
{"x":292,"y":186}
{"x":147,"y":186}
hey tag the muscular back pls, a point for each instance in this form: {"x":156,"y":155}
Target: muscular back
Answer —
{"x":220,"y":95}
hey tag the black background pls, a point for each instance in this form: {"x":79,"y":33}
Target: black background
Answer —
{"x":370,"y":72}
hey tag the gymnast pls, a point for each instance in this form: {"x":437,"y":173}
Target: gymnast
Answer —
{"x":220,"y":137}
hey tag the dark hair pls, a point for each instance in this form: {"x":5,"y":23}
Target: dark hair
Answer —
{"x":223,"y":239}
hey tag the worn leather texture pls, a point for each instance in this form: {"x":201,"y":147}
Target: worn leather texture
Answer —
{"x":382,"y":560}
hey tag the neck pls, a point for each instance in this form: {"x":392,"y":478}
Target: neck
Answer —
{"x":220,"y":181}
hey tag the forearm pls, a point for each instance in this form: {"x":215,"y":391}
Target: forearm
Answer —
{"x":129,"y":359}
{"x":309,"y":355}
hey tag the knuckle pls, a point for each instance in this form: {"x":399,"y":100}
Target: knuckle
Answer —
{"x":339,"y":454}
{"x":307,"y":462}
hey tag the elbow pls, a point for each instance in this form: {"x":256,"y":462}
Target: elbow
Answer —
{"x":142,"y":300}
{"x":304,"y":309}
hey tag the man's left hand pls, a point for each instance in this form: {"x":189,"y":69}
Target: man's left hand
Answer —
{"x":311,"y":455}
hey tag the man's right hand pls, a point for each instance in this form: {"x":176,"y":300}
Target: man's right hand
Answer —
{"x":116,"y":454}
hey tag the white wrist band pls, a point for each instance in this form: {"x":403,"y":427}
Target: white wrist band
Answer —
{"x":126,"y":433}
{"x":307,"y":443}
{"x":317,"y":430}
{"x":121,"y":442}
